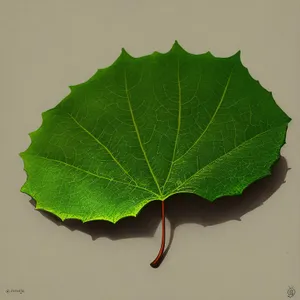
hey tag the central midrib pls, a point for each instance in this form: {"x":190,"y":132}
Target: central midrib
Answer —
{"x":178,"y":125}
{"x":138,"y":134}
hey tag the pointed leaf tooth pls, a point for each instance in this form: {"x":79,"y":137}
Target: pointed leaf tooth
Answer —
{"x":177,"y":47}
{"x":72,"y":87}
{"x":237,"y":55}
{"x":125,"y":54}
{"x":209,"y":53}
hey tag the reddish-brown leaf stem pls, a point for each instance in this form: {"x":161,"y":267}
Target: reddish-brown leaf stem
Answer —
{"x":155,"y":263}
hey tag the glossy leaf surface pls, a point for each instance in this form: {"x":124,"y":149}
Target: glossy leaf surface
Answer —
{"x":146,"y":128}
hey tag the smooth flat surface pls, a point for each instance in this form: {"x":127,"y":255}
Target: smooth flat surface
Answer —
{"x":47,"y":46}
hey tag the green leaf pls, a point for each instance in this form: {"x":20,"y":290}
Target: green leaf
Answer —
{"x":145,"y":128}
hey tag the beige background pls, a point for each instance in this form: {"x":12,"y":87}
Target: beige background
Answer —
{"x":47,"y":46}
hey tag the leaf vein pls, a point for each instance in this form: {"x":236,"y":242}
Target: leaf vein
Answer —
{"x":211,"y":120}
{"x":178,"y":124}
{"x":102,"y":145}
{"x":92,"y":174}
{"x":138,"y":134}
{"x":222,"y":156}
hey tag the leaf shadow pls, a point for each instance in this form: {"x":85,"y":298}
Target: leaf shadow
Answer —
{"x":181,"y":209}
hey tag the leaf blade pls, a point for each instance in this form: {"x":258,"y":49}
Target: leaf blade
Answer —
{"x":180,"y":127}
